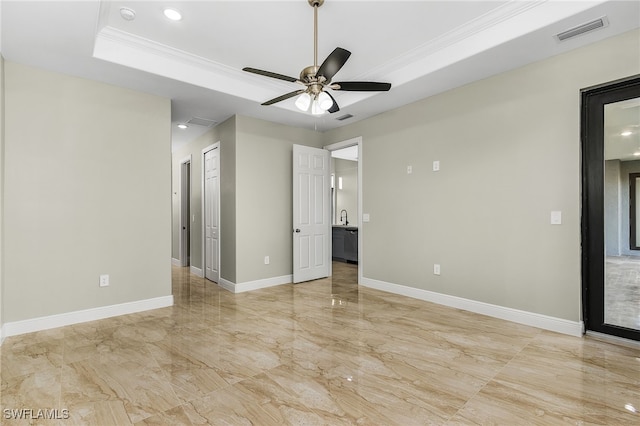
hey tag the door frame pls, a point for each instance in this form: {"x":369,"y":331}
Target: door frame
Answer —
{"x":633,"y":243}
{"x":185,"y":211}
{"x":203,"y":225}
{"x":593,"y":242}
{"x":334,"y":147}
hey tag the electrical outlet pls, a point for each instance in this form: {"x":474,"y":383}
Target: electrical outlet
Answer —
{"x":436,"y":269}
{"x":266,"y":260}
{"x":409,"y":170}
{"x":436,"y":166}
{"x":104,"y":280}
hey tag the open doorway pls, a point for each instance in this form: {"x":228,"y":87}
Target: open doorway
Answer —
{"x":185,"y":212}
{"x":346,"y":202}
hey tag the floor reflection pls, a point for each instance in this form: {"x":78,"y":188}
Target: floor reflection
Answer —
{"x":622,"y":291}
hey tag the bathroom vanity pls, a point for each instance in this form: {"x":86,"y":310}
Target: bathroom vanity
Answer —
{"x":345,"y":243}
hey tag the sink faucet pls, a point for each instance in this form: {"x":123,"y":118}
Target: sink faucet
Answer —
{"x":346,"y":221}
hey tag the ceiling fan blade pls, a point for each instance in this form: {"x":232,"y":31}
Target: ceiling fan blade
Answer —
{"x":333,"y":63}
{"x":334,"y":107}
{"x":283,"y":97}
{"x":361,"y":86}
{"x":270,"y":74}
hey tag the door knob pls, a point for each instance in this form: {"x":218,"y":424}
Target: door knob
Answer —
{"x":297,"y":231}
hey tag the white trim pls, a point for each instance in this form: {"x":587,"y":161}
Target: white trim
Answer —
{"x":345,"y":144}
{"x":227,"y":285}
{"x":197,"y":271}
{"x":2,"y":334}
{"x":69,"y":318}
{"x":360,"y":208}
{"x":255,"y":285}
{"x":264,"y":283}
{"x":559,"y":325}
{"x":124,"y":48}
{"x":176,"y":262}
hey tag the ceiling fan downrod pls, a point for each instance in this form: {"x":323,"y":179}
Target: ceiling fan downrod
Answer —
{"x":315,"y":4}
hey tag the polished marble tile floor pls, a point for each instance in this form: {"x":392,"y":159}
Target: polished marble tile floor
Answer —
{"x":325,"y":352}
{"x":622,"y":291}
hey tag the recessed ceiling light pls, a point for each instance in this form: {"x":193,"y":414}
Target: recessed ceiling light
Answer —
{"x":127,"y":14}
{"x":182,"y":126}
{"x":172,"y":14}
{"x":626,"y":133}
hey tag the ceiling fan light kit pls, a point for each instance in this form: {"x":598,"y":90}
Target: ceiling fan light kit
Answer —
{"x":317,"y":79}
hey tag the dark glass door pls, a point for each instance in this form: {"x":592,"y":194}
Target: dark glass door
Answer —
{"x":611,"y":208}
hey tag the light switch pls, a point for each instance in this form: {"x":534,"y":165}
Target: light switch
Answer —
{"x":104,"y":280}
{"x":365,"y":217}
{"x":409,"y":170}
{"x":436,"y":166}
{"x":556,"y":218}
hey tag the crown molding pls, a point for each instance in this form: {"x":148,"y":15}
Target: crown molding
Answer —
{"x":131,"y":50}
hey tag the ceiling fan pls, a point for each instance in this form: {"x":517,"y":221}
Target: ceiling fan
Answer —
{"x":317,"y":79}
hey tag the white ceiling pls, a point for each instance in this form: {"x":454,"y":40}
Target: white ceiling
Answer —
{"x":622,"y":130}
{"x":421,"y":47}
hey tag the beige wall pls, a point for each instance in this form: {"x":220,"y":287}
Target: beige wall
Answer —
{"x":264,"y":200}
{"x":509,"y":150}
{"x":256,"y":196}
{"x":225,"y":133}
{"x":88,"y":173}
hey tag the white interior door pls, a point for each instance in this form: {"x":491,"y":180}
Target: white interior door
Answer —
{"x":311,"y":213}
{"x":211,"y":212}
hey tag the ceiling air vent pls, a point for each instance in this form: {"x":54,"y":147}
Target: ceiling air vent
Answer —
{"x":584,"y":28}
{"x":201,"y":122}
{"x":344,"y":117}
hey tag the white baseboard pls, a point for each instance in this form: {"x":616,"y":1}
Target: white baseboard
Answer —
{"x":559,"y":325}
{"x":227,"y":285}
{"x":176,"y":262}
{"x":69,"y":318}
{"x":197,"y":271}
{"x":255,"y":285}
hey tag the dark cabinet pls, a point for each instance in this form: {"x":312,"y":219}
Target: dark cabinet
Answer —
{"x":338,"y":243}
{"x":345,"y":244}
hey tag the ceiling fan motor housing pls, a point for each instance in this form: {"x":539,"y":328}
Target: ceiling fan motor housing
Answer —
{"x":316,"y":3}
{"x":313,"y":82}
{"x":308,"y":74}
